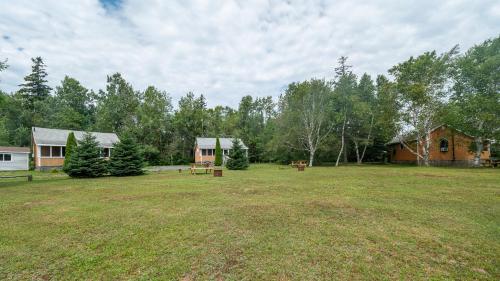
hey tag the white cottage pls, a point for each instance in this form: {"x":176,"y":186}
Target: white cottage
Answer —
{"x":14,"y":158}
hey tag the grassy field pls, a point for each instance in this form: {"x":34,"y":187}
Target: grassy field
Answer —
{"x":267,"y":223}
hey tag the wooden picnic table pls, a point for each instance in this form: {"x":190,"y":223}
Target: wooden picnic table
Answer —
{"x":207,"y":167}
{"x":296,"y":164}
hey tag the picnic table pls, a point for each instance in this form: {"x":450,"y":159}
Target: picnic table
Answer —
{"x":29,"y":177}
{"x":203,"y":167}
{"x":492,"y":162}
{"x":299,"y":163}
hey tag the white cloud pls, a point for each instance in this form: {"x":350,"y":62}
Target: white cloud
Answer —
{"x":226,"y":49}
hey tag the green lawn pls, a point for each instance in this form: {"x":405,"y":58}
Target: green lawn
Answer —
{"x":267,"y":223}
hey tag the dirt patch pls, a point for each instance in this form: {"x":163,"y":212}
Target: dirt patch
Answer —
{"x":432,"y":176}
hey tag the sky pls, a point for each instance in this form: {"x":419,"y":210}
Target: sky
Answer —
{"x":229,"y":48}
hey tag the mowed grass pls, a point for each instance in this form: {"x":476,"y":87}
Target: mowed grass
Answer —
{"x":268,"y":223}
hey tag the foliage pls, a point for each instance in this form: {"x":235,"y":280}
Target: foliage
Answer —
{"x":151,"y":155}
{"x":126,"y":159}
{"x":35,"y":87}
{"x":86,"y":160}
{"x":218,"y":153}
{"x":237,"y":157}
{"x":71,"y":145}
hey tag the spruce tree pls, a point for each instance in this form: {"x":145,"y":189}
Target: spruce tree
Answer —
{"x":237,"y":158}
{"x":70,"y":147}
{"x":218,"y":153}
{"x":35,"y":86}
{"x":86,"y":161}
{"x":126,"y":159}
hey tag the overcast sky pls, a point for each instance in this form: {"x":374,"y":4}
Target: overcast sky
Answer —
{"x":227,"y":49}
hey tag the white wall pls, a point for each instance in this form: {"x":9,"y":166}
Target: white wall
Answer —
{"x":19,"y":161}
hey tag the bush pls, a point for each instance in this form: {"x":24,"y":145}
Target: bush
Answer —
{"x":85,"y":160}
{"x":126,"y":158}
{"x":237,"y":158}
{"x":151,"y":155}
{"x":218,"y":153}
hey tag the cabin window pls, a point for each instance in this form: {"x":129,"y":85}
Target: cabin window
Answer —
{"x":401,"y":146}
{"x":225,"y":152}
{"x":106,"y":152}
{"x":204,"y":152}
{"x":5,"y":157}
{"x":56,"y":151}
{"x":443,"y":145}
{"x":45,"y":151}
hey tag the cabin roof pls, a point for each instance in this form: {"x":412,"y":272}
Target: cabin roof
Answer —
{"x":412,"y":136}
{"x":14,"y":149}
{"x":45,"y":136}
{"x":225,"y":143}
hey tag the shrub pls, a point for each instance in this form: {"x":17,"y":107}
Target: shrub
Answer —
{"x":218,"y":153}
{"x":237,"y":158}
{"x":70,"y":146}
{"x":151,"y":155}
{"x":126,"y":159}
{"x":85,"y":160}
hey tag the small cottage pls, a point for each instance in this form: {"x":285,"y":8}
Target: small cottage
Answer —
{"x":14,"y":158}
{"x":204,"y":149}
{"x":449,"y":147}
{"x":49,"y":146}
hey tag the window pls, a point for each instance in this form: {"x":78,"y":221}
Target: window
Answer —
{"x":401,"y":146}
{"x":443,"y":145}
{"x":5,"y":157}
{"x":225,"y":152}
{"x":204,"y":152}
{"x":45,"y":150}
{"x":56,"y":151}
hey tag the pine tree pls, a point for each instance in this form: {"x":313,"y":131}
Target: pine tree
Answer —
{"x":86,"y":161}
{"x":35,"y":87}
{"x":238,"y":159}
{"x":218,"y":153}
{"x":126,"y":159}
{"x":71,"y":144}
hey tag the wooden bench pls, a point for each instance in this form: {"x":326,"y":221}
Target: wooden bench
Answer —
{"x":299,"y":163}
{"x":30,"y":177}
{"x":207,"y":167}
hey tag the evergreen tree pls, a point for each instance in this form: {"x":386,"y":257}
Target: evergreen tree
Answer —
{"x":71,"y":144}
{"x":238,"y":159}
{"x":35,"y":87}
{"x":126,"y":159}
{"x":218,"y":153}
{"x":86,"y":161}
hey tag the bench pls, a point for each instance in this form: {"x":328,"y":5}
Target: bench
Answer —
{"x":30,"y":177}
{"x":493,"y":162}
{"x":205,"y":167}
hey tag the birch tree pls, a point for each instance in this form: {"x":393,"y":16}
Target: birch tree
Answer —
{"x":475,"y":104}
{"x":421,"y":84}
{"x":305,"y":108}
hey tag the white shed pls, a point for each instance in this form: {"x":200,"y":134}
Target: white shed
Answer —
{"x":14,"y":158}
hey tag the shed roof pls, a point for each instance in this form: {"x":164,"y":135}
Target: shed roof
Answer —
{"x":45,"y":136}
{"x":225,"y":143}
{"x":14,"y":149}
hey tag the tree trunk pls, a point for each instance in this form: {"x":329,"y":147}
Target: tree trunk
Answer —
{"x":342,"y":141}
{"x":311,"y":158}
{"x":479,"y":149}
{"x":426,"y":151}
{"x":367,"y":140}
{"x":356,"y":148}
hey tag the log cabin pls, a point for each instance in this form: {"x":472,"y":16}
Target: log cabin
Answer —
{"x":449,"y":147}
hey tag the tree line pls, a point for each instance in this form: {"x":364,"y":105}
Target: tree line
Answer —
{"x":343,"y":118}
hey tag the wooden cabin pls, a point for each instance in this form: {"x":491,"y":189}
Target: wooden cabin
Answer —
{"x":49,"y":146}
{"x":449,"y":147}
{"x":204,"y":149}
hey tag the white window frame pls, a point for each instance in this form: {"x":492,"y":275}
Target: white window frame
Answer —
{"x":2,"y":159}
{"x":51,"y":148}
